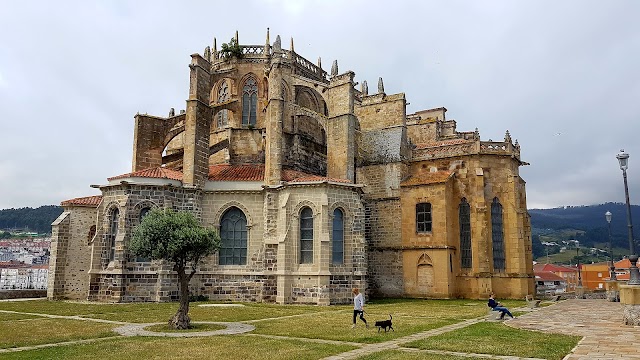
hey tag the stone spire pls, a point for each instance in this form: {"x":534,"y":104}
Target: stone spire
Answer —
{"x":319,"y":62}
{"x":476,"y":134}
{"x":291,"y":47}
{"x":267,"y":45}
{"x":207,"y":53}
{"x":334,"y":68}
{"x":215,"y":49}
{"x":380,"y":86}
{"x":237,"y":41}
{"x":172,"y":112}
{"x":507,"y":137}
{"x":364,"y":88}
{"x":277,"y":45}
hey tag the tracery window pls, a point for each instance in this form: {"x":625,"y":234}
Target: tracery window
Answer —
{"x":233,"y":236}
{"x":114,"y":217}
{"x":222,"y":118}
{"x":497,"y":236}
{"x":423,"y":217}
{"x":306,"y":236}
{"x":464,"y":218}
{"x":337,"y":240}
{"x":249,"y":101}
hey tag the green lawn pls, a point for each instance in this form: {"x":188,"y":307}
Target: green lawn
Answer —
{"x":46,"y":331}
{"x":499,"y":339}
{"x":237,"y":347}
{"x":405,"y":355}
{"x":298,"y":322}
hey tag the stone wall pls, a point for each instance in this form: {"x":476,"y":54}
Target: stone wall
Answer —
{"x":22,"y":294}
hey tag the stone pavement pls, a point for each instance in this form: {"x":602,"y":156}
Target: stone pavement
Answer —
{"x":598,"y":321}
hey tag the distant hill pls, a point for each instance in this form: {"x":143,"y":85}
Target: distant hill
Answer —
{"x":37,"y":220}
{"x":586,"y":224}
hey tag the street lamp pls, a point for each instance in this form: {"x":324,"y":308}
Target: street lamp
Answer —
{"x":634,"y":275}
{"x":578,"y":263}
{"x":612,"y":276}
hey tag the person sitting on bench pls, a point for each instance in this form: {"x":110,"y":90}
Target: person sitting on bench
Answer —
{"x":496,"y":306}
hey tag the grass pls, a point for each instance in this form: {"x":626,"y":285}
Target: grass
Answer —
{"x":405,"y":355}
{"x":499,"y":339}
{"x":46,"y":331}
{"x":297,"y":322}
{"x":194,"y":327}
{"x":237,"y":347}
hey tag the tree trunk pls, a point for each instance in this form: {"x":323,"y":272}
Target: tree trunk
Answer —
{"x":181,"y":320}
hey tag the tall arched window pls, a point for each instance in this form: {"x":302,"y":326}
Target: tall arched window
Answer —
{"x":337,"y":240}
{"x":464,"y":218}
{"x":233,"y":236}
{"x":306,"y":236}
{"x":143,"y":212}
{"x":497,"y":237}
{"x":113,"y":231}
{"x":423,"y":217}
{"x":223,"y":95}
{"x":249,"y":101}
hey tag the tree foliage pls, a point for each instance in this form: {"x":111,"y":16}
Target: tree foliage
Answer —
{"x":179,"y":238}
{"x":231,"y":49}
{"x":38,"y":219}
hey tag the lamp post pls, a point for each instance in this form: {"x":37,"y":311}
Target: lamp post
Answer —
{"x":612,"y":276}
{"x":578,"y":263}
{"x":634,"y":275}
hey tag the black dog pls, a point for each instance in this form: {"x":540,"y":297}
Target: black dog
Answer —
{"x":385,"y":324}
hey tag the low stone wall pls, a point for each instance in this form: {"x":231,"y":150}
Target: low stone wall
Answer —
{"x":22,"y":294}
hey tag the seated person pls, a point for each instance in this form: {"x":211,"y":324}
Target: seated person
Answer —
{"x":496,"y":306}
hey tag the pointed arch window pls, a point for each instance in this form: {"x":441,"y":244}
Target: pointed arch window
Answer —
{"x":114,"y":217}
{"x":464,"y":218}
{"x":222,"y":119}
{"x":337,"y":239}
{"x":249,"y":101}
{"x":233,"y":236}
{"x":306,"y":236}
{"x":497,"y":236}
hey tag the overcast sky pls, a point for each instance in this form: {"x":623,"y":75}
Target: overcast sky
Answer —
{"x":562,"y":76}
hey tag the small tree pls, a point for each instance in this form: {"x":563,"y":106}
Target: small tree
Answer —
{"x":231,"y":49}
{"x":179,"y":238}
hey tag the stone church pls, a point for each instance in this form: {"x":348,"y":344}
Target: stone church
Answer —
{"x":316,"y":185}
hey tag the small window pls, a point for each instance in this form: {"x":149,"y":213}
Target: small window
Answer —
{"x":423,"y":217}
{"x":337,"y":240}
{"x":113,"y":232}
{"x":143,"y":212}
{"x":306,"y":236}
{"x":249,"y":101}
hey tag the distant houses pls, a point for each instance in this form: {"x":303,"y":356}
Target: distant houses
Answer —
{"x":24,"y":263}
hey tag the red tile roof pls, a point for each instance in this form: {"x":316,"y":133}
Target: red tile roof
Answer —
{"x":299,"y":176}
{"x":623,"y":264}
{"x":433,"y":144}
{"x":427,"y":177}
{"x":91,"y":201}
{"x":156,"y":173}
{"x":547,"y":276}
{"x":241,"y":172}
{"x":553,"y":268}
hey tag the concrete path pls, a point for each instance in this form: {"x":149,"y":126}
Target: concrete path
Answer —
{"x":232,"y":328}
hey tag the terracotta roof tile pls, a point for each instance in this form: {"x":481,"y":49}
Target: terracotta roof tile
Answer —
{"x":553,"y":268}
{"x":547,"y":276}
{"x":299,"y":176}
{"x":426,"y":178}
{"x":433,"y":144}
{"x":241,"y":172}
{"x":156,"y":173}
{"x":91,"y":201}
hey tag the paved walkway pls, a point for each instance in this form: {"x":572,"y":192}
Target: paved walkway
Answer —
{"x":598,"y":321}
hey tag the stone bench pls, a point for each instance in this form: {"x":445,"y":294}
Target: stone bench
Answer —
{"x":531,"y":302}
{"x":493,"y":315}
